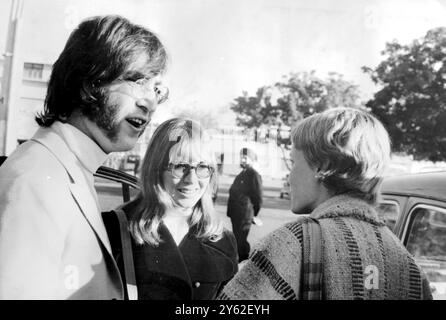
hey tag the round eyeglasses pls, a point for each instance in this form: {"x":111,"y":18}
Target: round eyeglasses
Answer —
{"x":145,"y":85}
{"x":181,"y":170}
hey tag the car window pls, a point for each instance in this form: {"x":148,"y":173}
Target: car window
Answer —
{"x":426,"y":241}
{"x":389,"y":212}
{"x":111,"y":193}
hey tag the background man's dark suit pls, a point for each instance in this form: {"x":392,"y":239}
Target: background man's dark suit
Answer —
{"x":245,"y":200}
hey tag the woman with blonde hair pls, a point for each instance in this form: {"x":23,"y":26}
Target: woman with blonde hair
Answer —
{"x":342,"y":250}
{"x":180,"y":249}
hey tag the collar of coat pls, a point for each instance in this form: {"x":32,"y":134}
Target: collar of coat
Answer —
{"x":346,"y":205}
{"x":54,"y":142}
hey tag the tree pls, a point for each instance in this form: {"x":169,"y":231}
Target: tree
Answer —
{"x":412,"y":100}
{"x":295,"y":97}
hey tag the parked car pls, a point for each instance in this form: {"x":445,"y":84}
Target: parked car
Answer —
{"x":285,"y":190}
{"x":414,"y":207}
{"x":284,"y":136}
{"x":130,"y":164}
{"x":114,"y":187}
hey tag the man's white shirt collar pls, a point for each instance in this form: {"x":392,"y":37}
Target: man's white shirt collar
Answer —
{"x":84,"y":148}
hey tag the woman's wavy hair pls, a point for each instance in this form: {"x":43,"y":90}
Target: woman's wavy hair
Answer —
{"x":175,"y":140}
{"x":99,"y":51}
{"x":349,"y":147}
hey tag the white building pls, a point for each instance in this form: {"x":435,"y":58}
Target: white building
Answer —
{"x":33,"y":85}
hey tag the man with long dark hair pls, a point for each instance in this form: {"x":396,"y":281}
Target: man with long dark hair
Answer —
{"x":103,"y":90}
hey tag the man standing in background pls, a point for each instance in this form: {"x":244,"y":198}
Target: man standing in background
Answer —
{"x":245,"y":201}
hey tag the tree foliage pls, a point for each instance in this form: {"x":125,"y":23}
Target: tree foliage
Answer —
{"x":412,"y":100}
{"x":295,"y":97}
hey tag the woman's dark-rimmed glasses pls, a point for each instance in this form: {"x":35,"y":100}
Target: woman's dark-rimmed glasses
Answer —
{"x":179,"y":170}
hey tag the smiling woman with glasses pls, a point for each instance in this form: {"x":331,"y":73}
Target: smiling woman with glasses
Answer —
{"x":180,"y":249}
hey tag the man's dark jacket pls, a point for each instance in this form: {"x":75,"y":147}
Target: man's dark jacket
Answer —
{"x":245,"y":196}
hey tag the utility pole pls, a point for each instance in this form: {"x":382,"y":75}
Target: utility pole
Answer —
{"x":11,"y":80}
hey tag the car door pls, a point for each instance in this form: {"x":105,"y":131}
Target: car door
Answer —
{"x":390,"y":208}
{"x":424,"y":235}
{"x":114,"y":187}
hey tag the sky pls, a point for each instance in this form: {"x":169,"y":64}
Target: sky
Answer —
{"x":220,"y":48}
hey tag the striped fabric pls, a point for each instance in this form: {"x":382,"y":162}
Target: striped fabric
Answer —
{"x":361,"y":259}
{"x":382,"y":252}
{"x":312,"y":260}
{"x":356,"y":267}
{"x":277,"y":282}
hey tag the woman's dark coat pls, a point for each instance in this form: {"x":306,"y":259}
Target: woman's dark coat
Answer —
{"x":196,"y":269}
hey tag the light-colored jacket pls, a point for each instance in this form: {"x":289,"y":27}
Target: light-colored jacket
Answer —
{"x":53,"y":243}
{"x":361,"y":257}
